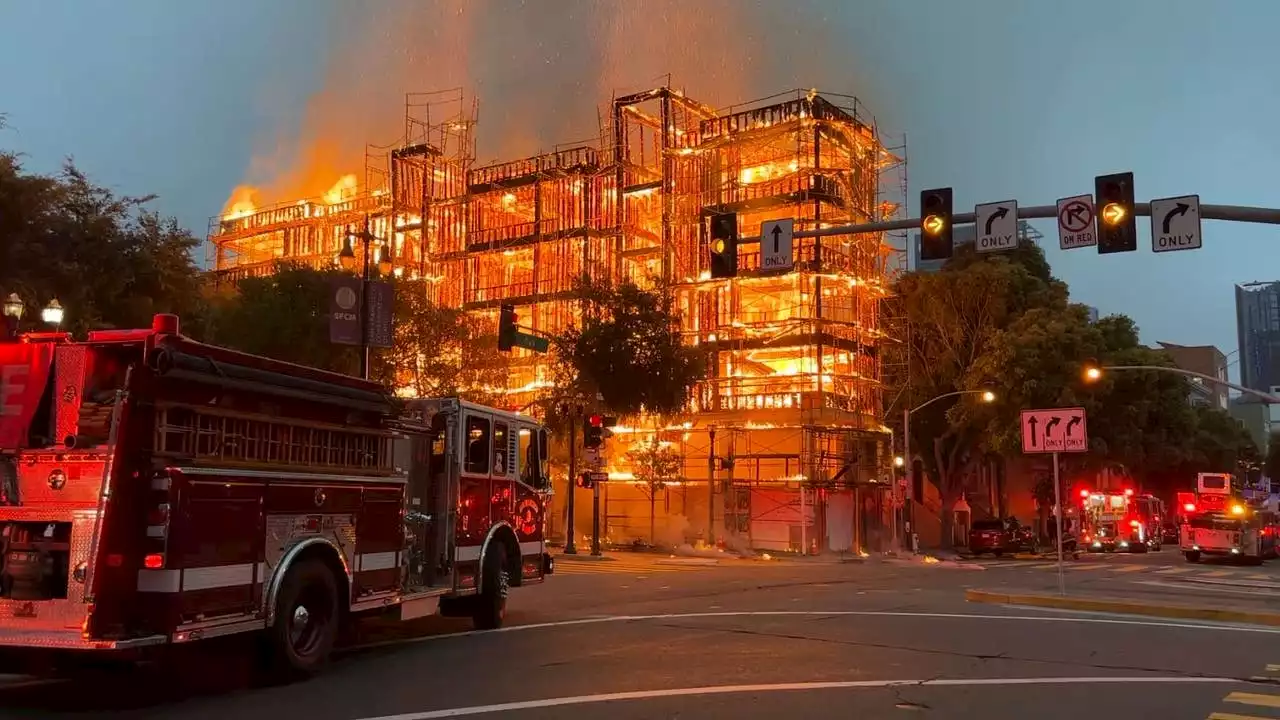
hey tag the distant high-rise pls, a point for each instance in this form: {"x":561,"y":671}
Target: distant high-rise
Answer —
{"x":1258,"y":327}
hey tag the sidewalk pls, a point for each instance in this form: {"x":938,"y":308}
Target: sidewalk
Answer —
{"x":1255,"y":610}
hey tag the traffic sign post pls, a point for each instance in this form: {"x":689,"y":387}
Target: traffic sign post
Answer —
{"x":1055,"y":431}
{"x":997,"y":226}
{"x":775,"y":244}
{"x":1175,"y":224}
{"x":1075,"y":223}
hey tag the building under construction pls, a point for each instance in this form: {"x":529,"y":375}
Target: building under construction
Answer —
{"x":788,"y":425}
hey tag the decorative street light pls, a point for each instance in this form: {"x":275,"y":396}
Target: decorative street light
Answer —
{"x":13,"y":309}
{"x":384,"y":265}
{"x":987,"y":397}
{"x":53,"y":313}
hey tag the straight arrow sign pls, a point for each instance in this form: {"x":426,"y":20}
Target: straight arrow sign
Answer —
{"x":1033,"y":422}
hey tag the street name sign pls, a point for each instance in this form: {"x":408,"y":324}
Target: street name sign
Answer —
{"x":775,"y":244}
{"x":1075,"y":223}
{"x":997,"y":226}
{"x":1054,"y":431}
{"x":1175,"y":223}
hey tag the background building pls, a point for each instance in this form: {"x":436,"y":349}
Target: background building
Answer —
{"x":1206,"y":360}
{"x":795,"y":396}
{"x":1258,"y":327}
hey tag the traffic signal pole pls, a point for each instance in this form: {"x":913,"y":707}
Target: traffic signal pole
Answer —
{"x":1230,"y":213}
{"x":569,"y":547}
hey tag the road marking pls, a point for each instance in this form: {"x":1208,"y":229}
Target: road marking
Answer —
{"x":1174,"y":571}
{"x":1260,"y":576}
{"x":1218,"y":574}
{"x":789,"y":687}
{"x":1128,"y":568}
{"x":1258,"y":699}
{"x":1088,"y":566}
{"x":1233,"y":716}
{"x":1084,"y":618}
{"x":1273,"y":668}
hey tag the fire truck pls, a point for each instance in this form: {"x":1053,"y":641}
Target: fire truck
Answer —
{"x":156,"y":491}
{"x":1116,"y":521}
{"x":1219,"y":521}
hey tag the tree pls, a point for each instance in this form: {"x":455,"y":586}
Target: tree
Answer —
{"x":108,"y":260}
{"x":441,"y":351}
{"x":284,"y":315}
{"x":628,"y":352}
{"x":955,"y":316}
{"x":654,"y":463}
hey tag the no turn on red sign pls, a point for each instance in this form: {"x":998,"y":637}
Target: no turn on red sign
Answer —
{"x":1075,"y":222}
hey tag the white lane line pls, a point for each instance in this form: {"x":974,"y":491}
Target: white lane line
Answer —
{"x":1086,"y":619}
{"x":791,"y":687}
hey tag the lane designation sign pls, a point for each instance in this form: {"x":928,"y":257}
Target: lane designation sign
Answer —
{"x":1075,"y":222}
{"x":1175,"y":223}
{"x":1050,"y":431}
{"x":775,"y":244}
{"x":997,"y":226}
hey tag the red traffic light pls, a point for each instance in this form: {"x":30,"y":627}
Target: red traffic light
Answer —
{"x":596,"y":421}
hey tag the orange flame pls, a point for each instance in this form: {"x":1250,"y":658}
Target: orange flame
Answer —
{"x":345,"y":189}
{"x":241,"y":203}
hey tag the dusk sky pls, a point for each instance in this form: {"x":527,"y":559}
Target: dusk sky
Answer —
{"x":1024,"y":99}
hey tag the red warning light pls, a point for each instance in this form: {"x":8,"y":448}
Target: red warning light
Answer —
{"x":1084,"y":493}
{"x":596,"y":421}
{"x":1189,"y":507}
{"x":1128,"y":492}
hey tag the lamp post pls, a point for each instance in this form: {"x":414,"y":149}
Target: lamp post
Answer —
{"x":53,"y":313}
{"x":987,"y":397}
{"x":13,"y":309}
{"x":347,"y":259}
{"x":1093,"y":373}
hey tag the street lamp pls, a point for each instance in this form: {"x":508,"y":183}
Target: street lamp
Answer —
{"x":987,"y":397}
{"x":899,"y":461}
{"x":13,"y":309}
{"x":383,"y":264}
{"x":53,"y":313}
{"x":1093,"y":373}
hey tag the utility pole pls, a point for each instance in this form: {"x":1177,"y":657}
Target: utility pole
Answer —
{"x":569,"y":547}
{"x":711,"y":488}
{"x":595,"y":519}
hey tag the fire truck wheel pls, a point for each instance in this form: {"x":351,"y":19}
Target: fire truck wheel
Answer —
{"x":1192,"y":556}
{"x":307,"y":619}
{"x":491,"y":604}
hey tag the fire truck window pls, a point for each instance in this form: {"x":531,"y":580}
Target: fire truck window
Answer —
{"x":528,"y":461}
{"x":477,"y":445}
{"x":544,"y":463}
{"x":501,"y":461}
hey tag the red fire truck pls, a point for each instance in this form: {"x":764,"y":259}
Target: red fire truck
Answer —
{"x":157,"y":491}
{"x":1117,"y":521}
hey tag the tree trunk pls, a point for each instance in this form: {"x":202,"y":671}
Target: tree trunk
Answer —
{"x":653,"y":501}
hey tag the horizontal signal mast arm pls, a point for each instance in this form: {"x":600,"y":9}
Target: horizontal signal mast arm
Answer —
{"x":1232,"y":213}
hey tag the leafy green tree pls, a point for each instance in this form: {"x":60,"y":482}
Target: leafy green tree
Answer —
{"x":108,"y":260}
{"x":955,"y":316}
{"x":441,"y":351}
{"x":283,"y":315}
{"x":628,"y":352}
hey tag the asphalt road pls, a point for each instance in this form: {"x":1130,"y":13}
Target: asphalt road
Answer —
{"x":639,"y":639}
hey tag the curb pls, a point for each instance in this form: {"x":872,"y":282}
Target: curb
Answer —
{"x":687,"y":561}
{"x":580,"y":557}
{"x":1125,"y":607}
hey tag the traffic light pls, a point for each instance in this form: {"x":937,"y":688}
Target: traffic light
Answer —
{"x":724,"y":245}
{"x":593,"y":433}
{"x":935,"y":224}
{"x":585,"y":481}
{"x":1117,"y":226}
{"x":508,"y":323}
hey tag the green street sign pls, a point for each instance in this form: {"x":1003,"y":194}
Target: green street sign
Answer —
{"x":530,"y":342}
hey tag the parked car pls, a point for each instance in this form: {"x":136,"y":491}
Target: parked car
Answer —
{"x":1169,"y":534}
{"x":1000,"y":536}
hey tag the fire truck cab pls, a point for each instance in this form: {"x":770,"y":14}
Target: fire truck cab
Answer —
{"x":156,"y":491}
{"x":1116,"y":521}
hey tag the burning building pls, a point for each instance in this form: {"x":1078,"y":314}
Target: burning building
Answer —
{"x":784,"y":445}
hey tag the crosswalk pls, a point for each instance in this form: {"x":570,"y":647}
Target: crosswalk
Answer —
{"x":1255,"y":703}
{"x":1103,"y":567}
{"x":627,"y":567}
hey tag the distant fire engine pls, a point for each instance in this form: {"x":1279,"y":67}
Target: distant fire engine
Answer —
{"x":156,"y":491}
{"x":1217,"y":520}
{"x":1114,"y":521}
